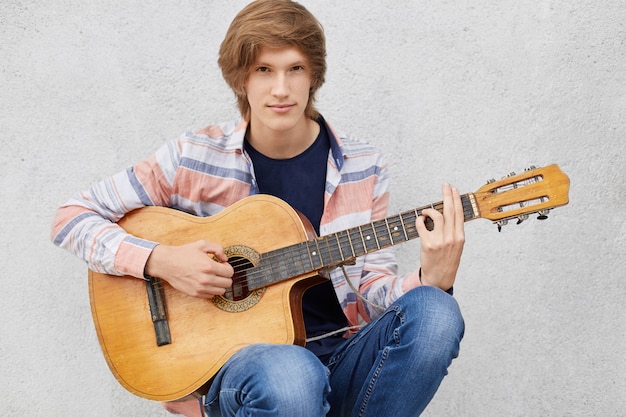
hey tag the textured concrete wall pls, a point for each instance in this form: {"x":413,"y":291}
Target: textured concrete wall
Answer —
{"x":452,"y":91}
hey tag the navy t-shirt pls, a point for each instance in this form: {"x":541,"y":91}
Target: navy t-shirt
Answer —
{"x":301,"y":181}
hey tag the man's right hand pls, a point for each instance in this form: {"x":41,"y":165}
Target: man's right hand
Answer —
{"x":199,"y":269}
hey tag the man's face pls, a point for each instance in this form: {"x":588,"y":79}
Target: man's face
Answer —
{"x":277,"y":89}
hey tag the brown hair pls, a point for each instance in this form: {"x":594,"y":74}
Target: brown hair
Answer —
{"x":273,"y":24}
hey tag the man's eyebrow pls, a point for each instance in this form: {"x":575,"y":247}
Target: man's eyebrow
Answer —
{"x":295,"y":63}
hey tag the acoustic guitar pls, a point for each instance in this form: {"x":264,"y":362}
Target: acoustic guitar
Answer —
{"x":163,"y":345}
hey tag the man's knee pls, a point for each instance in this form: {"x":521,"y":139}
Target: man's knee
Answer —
{"x":276,"y":377}
{"x":435,"y":316}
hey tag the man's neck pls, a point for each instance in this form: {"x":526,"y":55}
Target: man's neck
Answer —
{"x":283,"y":144}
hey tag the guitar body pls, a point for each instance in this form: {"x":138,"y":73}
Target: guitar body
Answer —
{"x":204,"y":333}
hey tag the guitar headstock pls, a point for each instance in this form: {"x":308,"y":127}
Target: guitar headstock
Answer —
{"x":516,"y":196}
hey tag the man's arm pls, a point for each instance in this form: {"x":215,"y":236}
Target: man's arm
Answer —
{"x":86,"y":224}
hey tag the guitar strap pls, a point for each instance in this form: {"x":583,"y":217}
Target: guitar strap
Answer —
{"x":348,"y":328}
{"x":358,"y":293}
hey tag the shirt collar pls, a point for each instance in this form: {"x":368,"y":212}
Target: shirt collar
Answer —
{"x":239,"y":134}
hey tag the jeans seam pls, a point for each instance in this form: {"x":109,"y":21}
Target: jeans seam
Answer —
{"x":372,"y":382}
{"x":397,"y":310}
{"x":385,"y":354}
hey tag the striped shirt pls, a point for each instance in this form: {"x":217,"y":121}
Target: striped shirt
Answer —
{"x":204,"y":172}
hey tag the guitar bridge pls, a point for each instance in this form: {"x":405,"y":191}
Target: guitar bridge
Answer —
{"x":158,"y":311}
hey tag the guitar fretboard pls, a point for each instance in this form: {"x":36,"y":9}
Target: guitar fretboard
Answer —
{"x":340,"y":248}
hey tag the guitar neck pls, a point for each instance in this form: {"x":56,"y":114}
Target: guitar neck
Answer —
{"x":344,"y":247}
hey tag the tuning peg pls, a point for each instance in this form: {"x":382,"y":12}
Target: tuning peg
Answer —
{"x":521,"y":218}
{"x":543,"y":214}
{"x":530,"y":168}
{"x":492,"y":180}
{"x":501,"y":223}
{"x":510,"y":174}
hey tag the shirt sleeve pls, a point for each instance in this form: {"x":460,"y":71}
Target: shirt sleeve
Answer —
{"x":86,"y":225}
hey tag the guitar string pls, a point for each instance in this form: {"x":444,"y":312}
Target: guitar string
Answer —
{"x":256,"y":277}
{"x":324,"y":251}
{"x":376,"y":227}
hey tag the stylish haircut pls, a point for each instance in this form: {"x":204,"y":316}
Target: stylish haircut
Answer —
{"x":272,"y":24}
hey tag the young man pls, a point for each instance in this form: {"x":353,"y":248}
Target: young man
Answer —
{"x":273,"y":58}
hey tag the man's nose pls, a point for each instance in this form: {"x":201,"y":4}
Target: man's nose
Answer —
{"x":280,"y":86}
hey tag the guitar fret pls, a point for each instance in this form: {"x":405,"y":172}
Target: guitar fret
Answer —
{"x":296,"y":263}
{"x":266,"y":270}
{"x":341,"y":257}
{"x":376,"y":240}
{"x":293,"y":262}
{"x":394,"y":225}
{"x":258,"y":276}
{"x":345,"y":244}
{"x":383,"y":238}
{"x":304,"y":259}
{"x":281,"y":268}
{"x":367,"y":238}
{"x":327,"y":251}
{"x":406,"y":237}
{"x":289,"y":267}
{"x":323,"y":251}
{"x":373,"y":239}
{"x":281,"y":264}
{"x":300,"y":259}
{"x":364,"y":238}
{"x":313,"y":253}
{"x":286,"y":263}
{"x":356,"y":241}
{"x":411,"y":219}
{"x":353,"y":253}
{"x":360,"y":229}
{"x":389,"y":231}
{"x":274,"y":274}
{"x":333,"y":248}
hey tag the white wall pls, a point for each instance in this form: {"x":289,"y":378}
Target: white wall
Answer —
{"x":452,"y":91}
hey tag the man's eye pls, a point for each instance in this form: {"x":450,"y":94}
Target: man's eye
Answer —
{"x":262,"y":69}
{"x":297,"y":68}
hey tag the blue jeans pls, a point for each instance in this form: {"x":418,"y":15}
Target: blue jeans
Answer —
{"x":391,"y":367}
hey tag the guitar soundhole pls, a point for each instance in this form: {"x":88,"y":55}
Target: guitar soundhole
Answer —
{"x":239,"y":297}
{"x":239,"y":290}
